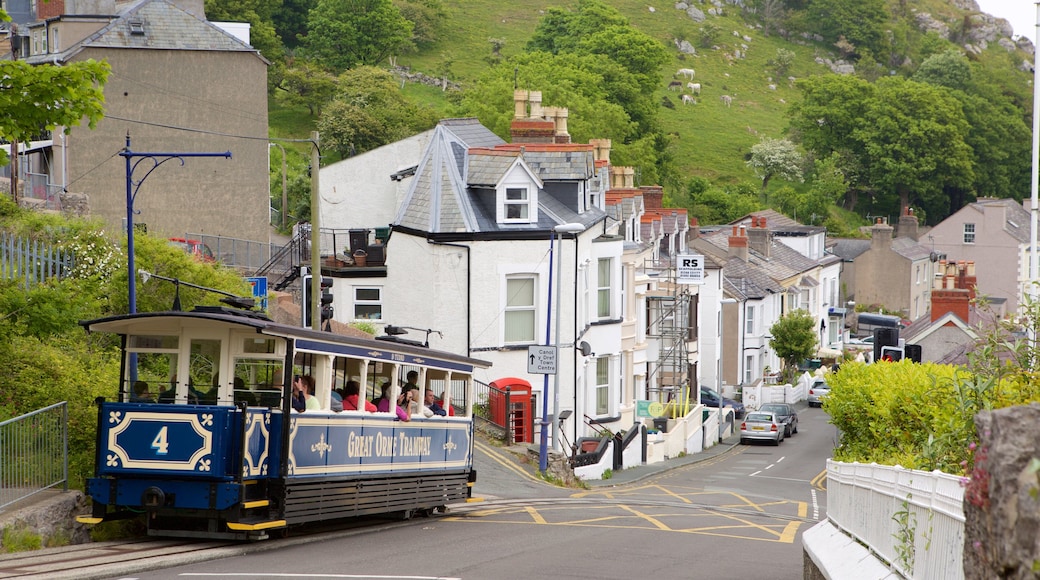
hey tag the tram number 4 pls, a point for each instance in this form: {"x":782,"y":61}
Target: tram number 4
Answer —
{"x":161,"y":443}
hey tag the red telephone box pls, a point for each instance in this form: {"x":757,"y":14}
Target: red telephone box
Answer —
{"x":515,"y":415}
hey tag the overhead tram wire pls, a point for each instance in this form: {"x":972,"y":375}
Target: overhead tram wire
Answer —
{"x":207,"y":132}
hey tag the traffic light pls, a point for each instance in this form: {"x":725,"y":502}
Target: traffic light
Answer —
{"x":325,"y":302}
{"x":913,"y":352}
{"x":891,"y":353}
{"x":885,"y":337}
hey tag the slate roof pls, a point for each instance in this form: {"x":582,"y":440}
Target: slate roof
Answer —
{"x":1016,"y":218}
{"x":166,"y":27}
{"x":454,"y":186}
{"x":909,"y":249}
{"x":849,"y":248}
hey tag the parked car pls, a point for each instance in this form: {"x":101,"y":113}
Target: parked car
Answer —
{"x":785,"y":414}
{"x":761,"y":426}
{"x":710,"y":398}
{"x":196,"y":248}
{"x":818,"y":391}
{"x":865,"y":341}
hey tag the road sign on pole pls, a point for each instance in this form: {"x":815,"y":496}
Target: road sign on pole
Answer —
{"x":541,"y":360}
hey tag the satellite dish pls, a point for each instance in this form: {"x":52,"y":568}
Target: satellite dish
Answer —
{"x":585,"y":348}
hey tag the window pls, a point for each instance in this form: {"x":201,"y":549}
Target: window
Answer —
{"x":603,"y":288}
{"x":368,"y":303}
{"x":969,"y":233}
{"x":749,"y":368}
{"x":749,"y":320}
{"x":603,"y":385}
{"x":519,"y":315}
{"x":517,"y":204}
{"x":919,"y":277}
{"x":55,"y":47}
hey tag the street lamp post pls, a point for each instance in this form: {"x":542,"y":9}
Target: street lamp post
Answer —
{"x":132,"y":187}
{"x":543,"y":455}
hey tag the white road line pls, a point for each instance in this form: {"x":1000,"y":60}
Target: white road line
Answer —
{"x":755,"y":473}
{"x":815,"y":506}
{"x":354,"y":576}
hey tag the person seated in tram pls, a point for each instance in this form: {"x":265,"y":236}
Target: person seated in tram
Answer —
{"x":351,"y":397}
{"x":432,"y":405}
{"x":384,"y":403}
{"x":303,"y":398}
{"x":141,"y":394}
{"x":448,"y":408}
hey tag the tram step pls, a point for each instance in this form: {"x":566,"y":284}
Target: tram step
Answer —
{"x":256,"y":504}
{"x":252,"y":524}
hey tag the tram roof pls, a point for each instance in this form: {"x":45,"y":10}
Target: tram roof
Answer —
{"x":124,"y":324}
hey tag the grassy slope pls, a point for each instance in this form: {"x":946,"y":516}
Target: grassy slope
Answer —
{"x":708,"y":139}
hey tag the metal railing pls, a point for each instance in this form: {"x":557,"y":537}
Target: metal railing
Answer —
{"x":912,"y":519}
{"x":236,"y":252}
{"x":34,"y":453}
{"x":32,"y":261}
{"x":510,"y":417}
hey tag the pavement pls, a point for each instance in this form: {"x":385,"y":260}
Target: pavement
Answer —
{"x":634,"y":473}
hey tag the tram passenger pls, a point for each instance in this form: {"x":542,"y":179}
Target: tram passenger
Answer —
{"x":170,"y":394}
{"x":384,"y":395}
{"x":241,"y":393}
{"x":384,"y":403}
{"x":448,"y":408}
{"x":312,"y":403}
{"x":432,"y":405}
{"x":299,"y":396}
{"x":413,"y":380}
{"x":141,"y":393}
{"x":353,"y":397}
{"x":336,"y":401}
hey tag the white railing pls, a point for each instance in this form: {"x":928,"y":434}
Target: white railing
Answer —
{"x":912,"y":519}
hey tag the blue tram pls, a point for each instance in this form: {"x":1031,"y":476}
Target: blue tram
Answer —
{"x":204,"y":439}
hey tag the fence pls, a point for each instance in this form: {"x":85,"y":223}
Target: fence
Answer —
{"x":32,"y":261}
{"x":912,"y":519}
{"x":237,"y":253}
{"x":30,"y":449}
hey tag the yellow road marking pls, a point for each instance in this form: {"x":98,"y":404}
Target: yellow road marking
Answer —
{"x":537,"y":517}
{"x":818,"y":481}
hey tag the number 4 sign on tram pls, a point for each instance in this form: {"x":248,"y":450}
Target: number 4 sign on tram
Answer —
{"x":689,"y":269}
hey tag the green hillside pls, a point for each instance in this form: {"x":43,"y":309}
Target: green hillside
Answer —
{"x":707,"y":139}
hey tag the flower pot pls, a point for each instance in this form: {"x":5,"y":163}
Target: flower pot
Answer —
{"x":360,"y":258}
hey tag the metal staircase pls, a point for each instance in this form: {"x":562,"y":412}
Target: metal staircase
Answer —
{"x":284,"y":266}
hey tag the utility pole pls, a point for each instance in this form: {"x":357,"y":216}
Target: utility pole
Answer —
{"x":315,"y":305}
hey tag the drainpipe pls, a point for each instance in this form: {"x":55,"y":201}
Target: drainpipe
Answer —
{"x":574,"y":351}
{"x":469,"y":282}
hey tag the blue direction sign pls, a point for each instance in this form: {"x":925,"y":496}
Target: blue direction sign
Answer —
{"x":259,"y":284}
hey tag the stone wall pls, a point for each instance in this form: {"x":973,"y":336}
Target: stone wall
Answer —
{"x":52,"y":516}
{"x":1002,"y":497}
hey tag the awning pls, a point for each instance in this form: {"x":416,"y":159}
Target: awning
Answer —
{"x":28,"y":147}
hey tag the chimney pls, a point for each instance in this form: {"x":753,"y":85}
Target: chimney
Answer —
{"x":758,"y":236}
{"x":695,"y":229}
{"x":653,"y":196}
{"x":629,"y":174}
{"x":560,"y":122}
{"x":738,"y":243}
{"x":881,"y":236}
{"x":520,"y":104}
{"x":908,"y":225}
{"x":602,"y":149}
{"x":535,"y":98}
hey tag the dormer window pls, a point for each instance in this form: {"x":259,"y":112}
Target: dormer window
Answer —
{"x":136,"y":27}
{"x":517,"y":204}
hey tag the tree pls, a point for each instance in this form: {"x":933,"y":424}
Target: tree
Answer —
{"x":775,"y":158}
{"x":347,"y":33}
{"x":369,"y":111}
{"x":304,"y":83}
{"x":260,"y":16}
{"x":948,"y":69}
{"x":862,"y":22}
{"x":43,"y":97}
{"x":426,"y":17}
{"x":794,"y":339}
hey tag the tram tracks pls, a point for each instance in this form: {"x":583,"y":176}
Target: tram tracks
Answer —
{"x":102,"y":560}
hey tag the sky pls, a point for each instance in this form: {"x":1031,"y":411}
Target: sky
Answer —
{"x":1020,"y":13}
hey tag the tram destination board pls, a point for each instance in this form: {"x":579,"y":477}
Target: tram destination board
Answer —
{"x":541,"y":360}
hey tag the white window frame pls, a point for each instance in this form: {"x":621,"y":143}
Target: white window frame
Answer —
{"x":749,"y":369}
{"x":524,"y":203}
{"x":969,"y":233}
{"x":602,"y":389}
{"x":53,"y":36}
{"x":508,"y":308}
{"x":604,"y":289}
{"x":749,"y":319}
{"x":356,"y":301}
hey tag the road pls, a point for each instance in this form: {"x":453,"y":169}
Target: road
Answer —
{"x":737,"y":515}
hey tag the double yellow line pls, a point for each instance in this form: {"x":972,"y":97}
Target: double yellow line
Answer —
{"x":819,"y":481}
{"x":507,"y":462}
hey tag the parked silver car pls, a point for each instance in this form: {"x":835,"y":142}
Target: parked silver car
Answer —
{"x":785,"y":414}
{"x":818,"y":391}
{"x":761,"y":426}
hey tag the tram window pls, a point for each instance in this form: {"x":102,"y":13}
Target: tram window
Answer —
{"x":259,"y":345}
{"x":258,"y":382}
{"x":158,"y":370}
{"x":204,"y":368}
{"x":138,"y":342}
